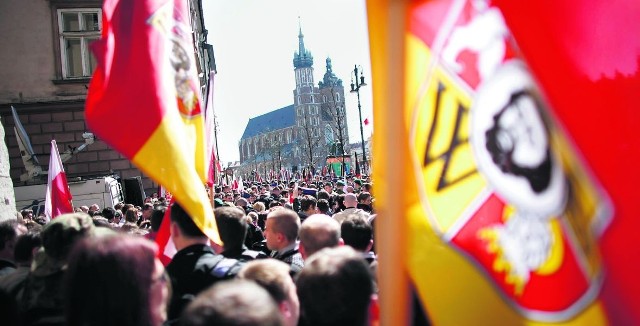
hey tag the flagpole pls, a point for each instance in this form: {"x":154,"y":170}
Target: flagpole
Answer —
{"x":387,"y":23}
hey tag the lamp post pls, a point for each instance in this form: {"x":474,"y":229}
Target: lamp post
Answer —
{"x":355,"y":88}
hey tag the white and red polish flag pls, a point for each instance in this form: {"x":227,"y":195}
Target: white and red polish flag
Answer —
{"x":58,"y":197}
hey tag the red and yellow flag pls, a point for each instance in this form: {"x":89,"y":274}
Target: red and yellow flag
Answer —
{"x":144,"y":98}
{"x":507,"y":213}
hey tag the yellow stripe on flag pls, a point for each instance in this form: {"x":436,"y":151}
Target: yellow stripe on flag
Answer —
{"x":179,"y":177}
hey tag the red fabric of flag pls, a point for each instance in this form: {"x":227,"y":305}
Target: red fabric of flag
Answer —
{"x":589,"y":68}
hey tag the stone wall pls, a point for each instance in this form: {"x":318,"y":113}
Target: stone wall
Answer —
{"x":66,"y":124}
{"x":7,"y":198}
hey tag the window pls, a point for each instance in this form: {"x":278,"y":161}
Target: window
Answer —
{"x":311,"y":98}
{"x":77,"y":29}
{"x":328,"y":135}
{"x":337,"y":97}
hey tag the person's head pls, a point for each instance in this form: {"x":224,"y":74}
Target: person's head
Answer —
{"x":323,"y":206}
{"x":26,"y":246}
{"x":356,"y":231}
{"x":328,"y":187}
{"x":350,"y":200}
{"x":364,"y":198}
{"x":157,"y":216}
{"x":84,"y":209}
{"x":94,"y":208}
{"x":58,"y":238}
{"x":259,"y":206}
{"x":342,"y":275}
{"x":316,"y":232}
{"x":184,"y":230}
{"x":367,"y":187}
{"x":273,"y":276}
{"x":308,"y":205}
{"x":234,"y":302}
{"x":254,"y":217}
{"x":27,"y":214}
{"x":147,"y":210}
{"x":241,"y":202}
{"x":10,"y":230}
{"x":125,"y":272}
{"x":232,"y":226}
{"x":323,"y":195}
{"x":131,"y":216}
{"x":281,"y":228}
{"x":109,"y":213}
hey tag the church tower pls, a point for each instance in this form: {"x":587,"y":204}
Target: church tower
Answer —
{"x":309,"y":149}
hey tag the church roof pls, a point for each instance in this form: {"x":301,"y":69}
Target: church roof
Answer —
{"x":274,"y":120}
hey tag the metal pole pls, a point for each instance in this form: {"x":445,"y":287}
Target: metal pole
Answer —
{"x":361,"y":129}
{"x":355,"y":70}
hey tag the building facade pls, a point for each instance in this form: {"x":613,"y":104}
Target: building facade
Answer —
{"x":47,"y":66}
{"x":300,"y":135}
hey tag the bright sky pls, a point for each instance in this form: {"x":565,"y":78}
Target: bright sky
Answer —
{"x":254,"y":42}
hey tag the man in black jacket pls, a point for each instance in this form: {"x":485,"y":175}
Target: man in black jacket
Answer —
{"x":232,"y":226}
{"x":195,"y":266}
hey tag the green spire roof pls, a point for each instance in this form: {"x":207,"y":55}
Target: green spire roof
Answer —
{"x":302,"y":58}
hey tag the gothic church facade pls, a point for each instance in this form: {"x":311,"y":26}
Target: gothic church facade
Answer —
{"x":300,"y":135}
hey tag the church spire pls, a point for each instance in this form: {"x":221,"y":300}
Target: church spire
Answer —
{"x":302,"y":58}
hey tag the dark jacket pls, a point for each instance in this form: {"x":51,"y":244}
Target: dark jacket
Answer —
{"x":194,"y":269}
{"x":254,"y":234}
{"x":293,"y":258}
{"x":244,"y":254}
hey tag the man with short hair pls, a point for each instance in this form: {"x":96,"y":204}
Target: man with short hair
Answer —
{"x":328,"y":187}
{"x":94,"y":209}
{"x":232,"y":227}
{"x":236,"y":302}
{"x":27,"y":214}
{"x":345,"y":282}
{"x":273,"y":276}
{"x":357,"y":185}
{"x":364,"y":202}
{"x":281,"y":232}
{"x":9,"y":231}
{"x":195,"y":266}
{"x":145,"y":218}
{"x":308,"y":207}
{"x":356,"y":231}
{"x":351,"y":203}
{"x":324,"y":207}
{"x":244,"y":204}
{"x":318,"y":231}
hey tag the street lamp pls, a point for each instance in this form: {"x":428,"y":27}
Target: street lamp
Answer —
{"x":355,"y":88}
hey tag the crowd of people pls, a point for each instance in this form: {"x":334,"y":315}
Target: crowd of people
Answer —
{"x":293,"y":253}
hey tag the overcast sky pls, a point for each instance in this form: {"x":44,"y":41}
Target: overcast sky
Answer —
{"x":254,"y":42}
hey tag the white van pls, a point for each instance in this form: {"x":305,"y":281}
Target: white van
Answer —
{"x":104,"y":191}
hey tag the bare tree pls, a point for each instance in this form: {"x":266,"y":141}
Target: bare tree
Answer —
{"x":309,"y":137}
{"x":334,"y":113}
